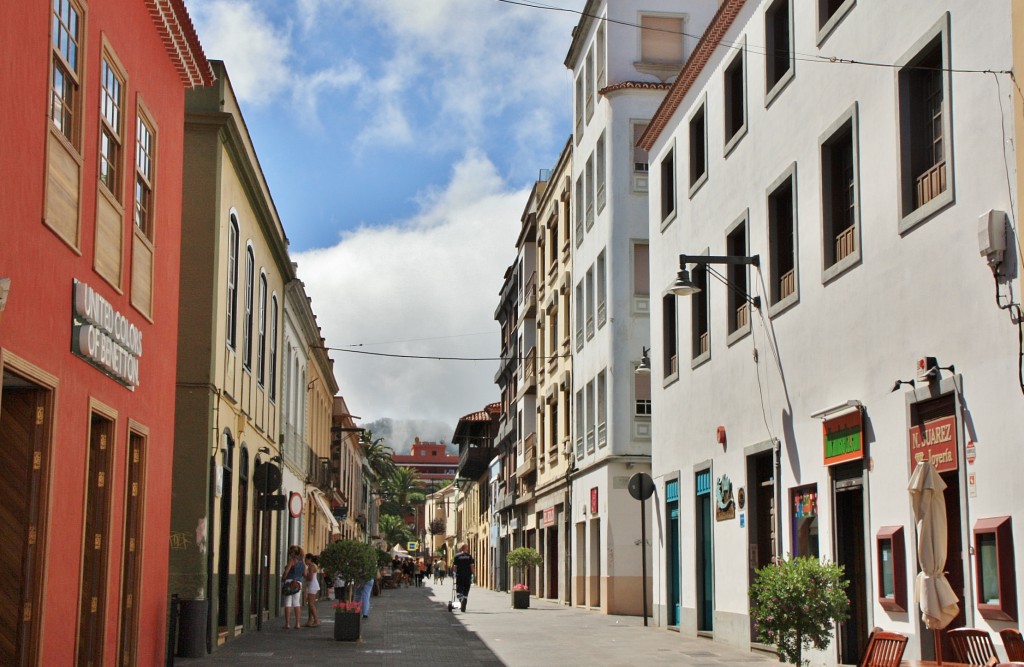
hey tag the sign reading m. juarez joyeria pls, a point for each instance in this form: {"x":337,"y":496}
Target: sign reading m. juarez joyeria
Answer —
{"x":935,"y":440}
{"x":104,"y":337}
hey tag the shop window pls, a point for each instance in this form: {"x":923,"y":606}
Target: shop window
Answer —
{"x":997,"y":581}
{"x":892,"y":568}
{"x":804,"y":501}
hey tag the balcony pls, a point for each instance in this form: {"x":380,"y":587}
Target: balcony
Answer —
{"x":529,"y":463}
{"x":529,"y":298}
{"x":529,"y":385}
{"x":473,"y":460}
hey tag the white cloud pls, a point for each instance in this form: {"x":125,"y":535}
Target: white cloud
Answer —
{"x":254,"y":50}
{"x":435,"y":276}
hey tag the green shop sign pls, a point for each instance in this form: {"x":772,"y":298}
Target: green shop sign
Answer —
{"x":843,"y":438}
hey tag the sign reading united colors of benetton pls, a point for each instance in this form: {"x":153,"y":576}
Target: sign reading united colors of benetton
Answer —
{"x":104,"y":337}
{"x":843,"y":438}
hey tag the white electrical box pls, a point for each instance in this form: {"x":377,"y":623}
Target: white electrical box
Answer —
{"x":992,"y":236}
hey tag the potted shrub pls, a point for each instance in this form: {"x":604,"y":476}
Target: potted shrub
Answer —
{"x":794,"y":604}
{"x":519,"y":560}
{"x":356,"y":562}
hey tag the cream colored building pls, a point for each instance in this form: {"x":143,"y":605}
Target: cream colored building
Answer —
{"x":554,"y":382}
{"x":228,"y":415}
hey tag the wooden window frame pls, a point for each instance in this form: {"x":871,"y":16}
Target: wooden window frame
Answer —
{"x":108,"y":249}
{"x":273,"y":346}
{"x":250,"y":287}
{"x":893,"y":536}
{"x":232,"y":286}
{"x":1001,"y":529}
{"x":261,"y":349}
{"x":144,"y":237}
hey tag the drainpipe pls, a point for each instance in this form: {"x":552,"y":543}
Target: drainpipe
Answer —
{"x":778,"y":499}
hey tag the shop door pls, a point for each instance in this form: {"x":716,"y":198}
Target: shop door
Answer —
{"x":848,"y":519}
{"x":705,"y":559}
{"x":24,"y":448}
{"x":96,"y":542}
{"x":553,"y":563}
{"x":954,"y":567}
{"x":672,"y":552}
{"x":761,"y":517}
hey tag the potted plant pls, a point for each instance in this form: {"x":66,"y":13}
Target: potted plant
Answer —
{"x":519,"y":560}
{"x":356,"y":563}
{"x":794,"y":604}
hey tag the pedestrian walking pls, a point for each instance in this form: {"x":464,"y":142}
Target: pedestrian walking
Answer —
{"x":293,"y":574}
{"x":364,"y":597}
{"x":465,"y":569}
{"x":312,"y":590}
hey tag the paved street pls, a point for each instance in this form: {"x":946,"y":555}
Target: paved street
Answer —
{"x":411,"y":626}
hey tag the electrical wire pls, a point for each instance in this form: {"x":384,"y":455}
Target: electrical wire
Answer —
{"x":433,"y":357}
{"x":417,"y":340}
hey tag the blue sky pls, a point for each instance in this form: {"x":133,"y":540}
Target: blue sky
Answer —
{"x":400,"y":139}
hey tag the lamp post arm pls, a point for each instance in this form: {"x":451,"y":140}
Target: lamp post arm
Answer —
{"x":754,"y":260}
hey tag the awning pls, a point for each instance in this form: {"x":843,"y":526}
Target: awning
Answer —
{"x":324,"y":508}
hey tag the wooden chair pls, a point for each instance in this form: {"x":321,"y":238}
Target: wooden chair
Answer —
{"x":972,"y":646}
{"x":867,"y":646}
{"x":885,"y":649}
{"x":1013,"y":644}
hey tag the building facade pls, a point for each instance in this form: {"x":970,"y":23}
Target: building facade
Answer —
{"x":350,"y":501}
{"x":554,"y":383}
{"x":621,"y":56}
{"x":474,"y":435}
{"x":228,"y":416}
{"x":93,"y":113}
{"x":799,"y":414}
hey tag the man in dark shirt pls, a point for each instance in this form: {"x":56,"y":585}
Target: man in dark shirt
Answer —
{"x":465,"y":568}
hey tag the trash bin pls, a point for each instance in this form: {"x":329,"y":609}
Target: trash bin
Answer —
{"x":192,"y":628}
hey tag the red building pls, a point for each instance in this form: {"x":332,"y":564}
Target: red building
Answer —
{"x":431,"y":461}
{"x":90,"y":212}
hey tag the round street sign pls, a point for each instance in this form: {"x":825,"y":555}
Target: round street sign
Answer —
{"x":267,"y":477}
{"x":295,"y":504}
{"x":641,"y":486}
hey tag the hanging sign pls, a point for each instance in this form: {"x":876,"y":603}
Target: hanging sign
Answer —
{"x":593,"y":500}
{"x":936,"y":441}
{"x":549,"y":517}
{"x":104,"y":337}
{"x":843,"y":438}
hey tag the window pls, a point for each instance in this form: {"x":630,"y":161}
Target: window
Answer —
{"x":232,"y":296}
{"x":590,"y":297}
{"x":698,"y":149}
{"x":668,"y":336}
{"x":804,"y":501}
{"x":273,"y":347}
{"x":64,"y":140}
{"x":250,"y":268}
{"x":144,"y":149}
{"x":580,"y":206}
{"x":840,"y":196}
{"x":782,"y":240}
{"x":661,"y":46}
{"x":830,"y":13}
{"x":111,"y":127}
{"x":602,"y":57}
{"x":996,"y":578}
{"x":892,"y":568}
{"x":580,"y":317}
{"x":601,"y":173}
{"x":66,"y":75}
{"x":642,"y":392}
{"x":668,"y":186}
{"x":591,"y":414}
{"x":579,"y":105}
{"x":602,"y":409}
{"x":590,"y":191}
{"x":641,"y":270}
{"x":924,"y":114}
{"x":735,"y":102}
{"x":602,"y":291}
{"x":739,"y":309}
{"x":699,"y":334}
{"x":778,"y":38}
{"x":580,"y":423}
{"x":589,"y":84}
{"x":640,"y":158}
{"x":261,"y":349}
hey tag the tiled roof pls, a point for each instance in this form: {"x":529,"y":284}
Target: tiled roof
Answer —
{"x":709,"y":41}
{"x":181,"y":41}
{"x":635,"y":85}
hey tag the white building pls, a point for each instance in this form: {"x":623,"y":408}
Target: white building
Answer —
{"x":854,"y":161}
{"x":621,"y":55}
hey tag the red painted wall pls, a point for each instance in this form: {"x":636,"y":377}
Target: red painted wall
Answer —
{"x":37,"y":322}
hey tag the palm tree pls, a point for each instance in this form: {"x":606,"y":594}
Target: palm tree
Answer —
{"x":378,"y":455}
{"x":398,"y":489}
{"x":393,"y":529}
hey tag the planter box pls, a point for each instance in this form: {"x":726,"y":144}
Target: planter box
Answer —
{"x":346,"y":626}
{"x":520,"y":599}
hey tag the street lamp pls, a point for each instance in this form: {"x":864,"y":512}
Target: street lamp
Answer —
{"x":684,"y":286}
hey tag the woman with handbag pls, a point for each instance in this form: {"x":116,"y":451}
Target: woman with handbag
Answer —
{"x":312,"y":590}
{"x":291,"y":588}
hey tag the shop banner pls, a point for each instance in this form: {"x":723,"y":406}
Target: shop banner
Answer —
{"x":935,"y":440}
{"x":843,"y":438}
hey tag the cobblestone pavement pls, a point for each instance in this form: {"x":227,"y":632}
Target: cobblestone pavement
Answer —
{"x":412,"y":626}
